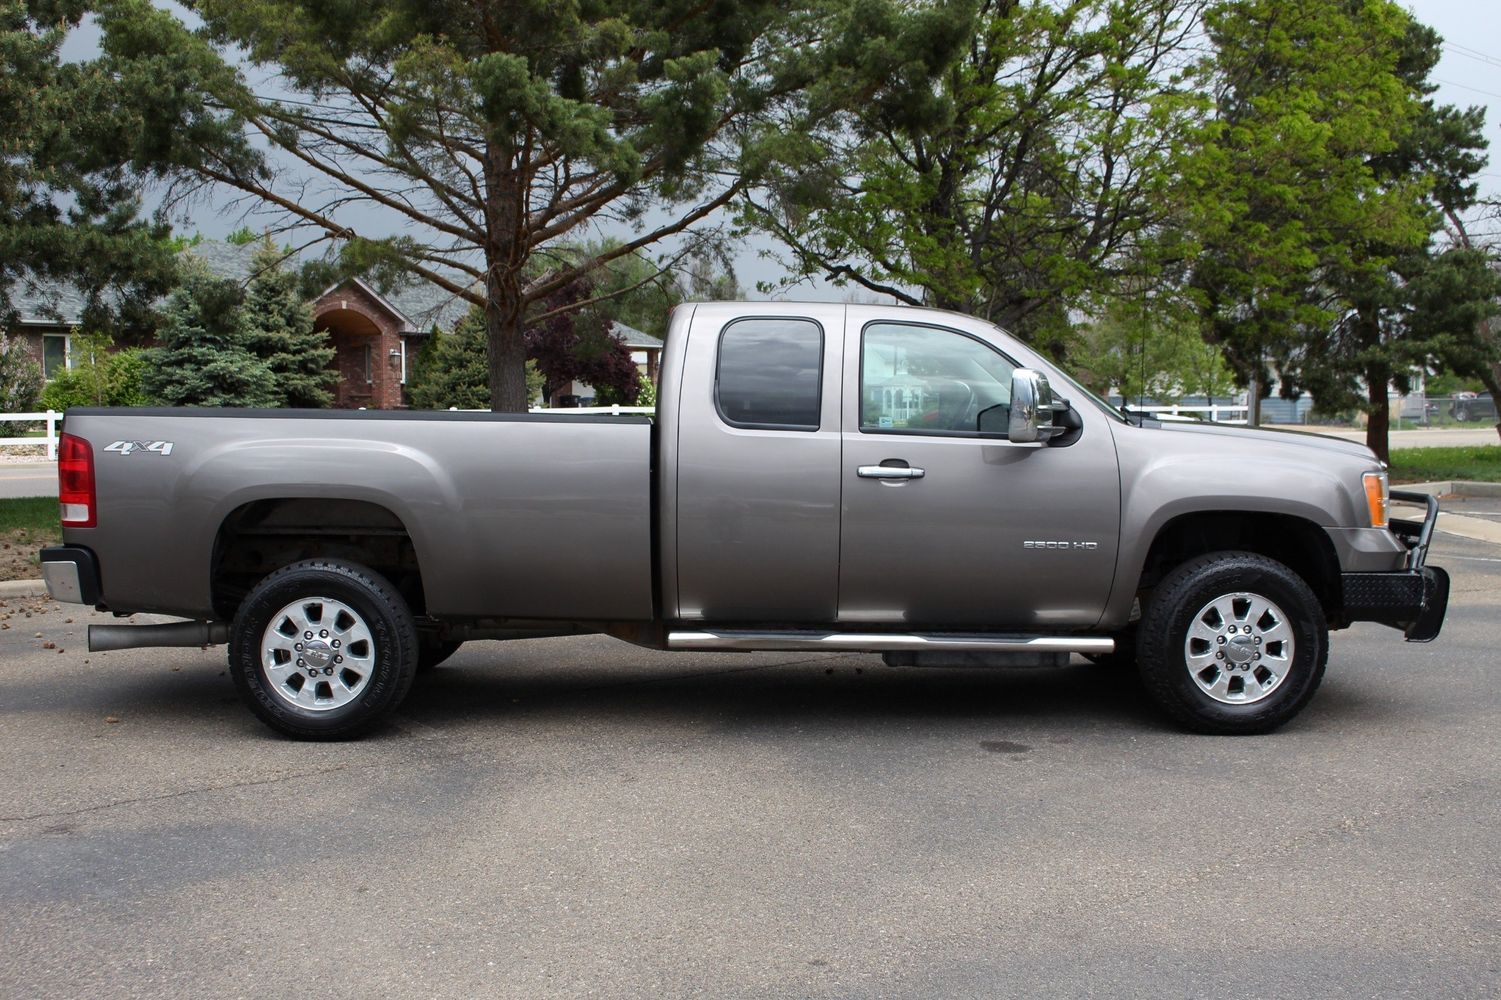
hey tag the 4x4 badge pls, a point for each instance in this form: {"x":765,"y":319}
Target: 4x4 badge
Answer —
{"x":130,"y":447}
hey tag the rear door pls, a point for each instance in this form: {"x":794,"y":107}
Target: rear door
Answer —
{"x":757,"y":460}
{"x":944,"y":528}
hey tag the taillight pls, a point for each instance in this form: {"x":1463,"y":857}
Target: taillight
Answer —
{"x":75,"y":482}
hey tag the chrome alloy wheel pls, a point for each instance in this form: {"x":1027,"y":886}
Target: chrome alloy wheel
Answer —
{"x":317,"y":654}
{"x":1239,"y":648}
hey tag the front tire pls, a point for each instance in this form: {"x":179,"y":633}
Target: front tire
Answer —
{"x":1232,"y":643}
{"x":323,"y":649}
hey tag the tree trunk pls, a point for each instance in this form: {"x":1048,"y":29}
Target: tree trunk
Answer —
{"x":1253,"y":400}
{"x":505,"y":256}
{"x":1491,"y":377}
{"x":1379,"y":414}
{"x":507,"y":351}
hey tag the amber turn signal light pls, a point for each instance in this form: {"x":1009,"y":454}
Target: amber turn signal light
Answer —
{"x":1377,"y":497}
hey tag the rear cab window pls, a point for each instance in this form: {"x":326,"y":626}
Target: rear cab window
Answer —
{"x":769,"y":374}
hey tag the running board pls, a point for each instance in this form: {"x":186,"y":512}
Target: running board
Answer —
{"x":879,"y":642}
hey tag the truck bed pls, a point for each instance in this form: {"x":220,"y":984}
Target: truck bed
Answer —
{"x":511,"y":515}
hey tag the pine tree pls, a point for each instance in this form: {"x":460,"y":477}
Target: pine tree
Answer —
{"x":493,"y":130}
{"x":203,"y":359}
{"x":277,"y":326}
{"x":453,"y":369}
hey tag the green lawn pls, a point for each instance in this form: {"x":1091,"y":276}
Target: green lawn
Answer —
{"x":1481,"y":463}
{"x":34,"y":517}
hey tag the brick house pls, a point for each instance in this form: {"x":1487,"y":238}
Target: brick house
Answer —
{"x":375,"y":336}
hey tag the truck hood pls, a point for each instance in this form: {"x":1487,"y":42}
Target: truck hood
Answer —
{"x":1319,"y":442}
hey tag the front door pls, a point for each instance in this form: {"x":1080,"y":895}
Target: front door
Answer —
{"x":944,"y":528}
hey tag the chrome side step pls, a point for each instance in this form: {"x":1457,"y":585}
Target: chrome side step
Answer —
{"x":878,"y":642}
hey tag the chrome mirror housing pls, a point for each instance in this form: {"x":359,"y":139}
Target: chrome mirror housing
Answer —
{"x":1031,"y":396}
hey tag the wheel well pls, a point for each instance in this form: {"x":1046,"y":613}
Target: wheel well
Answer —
{"x":265,"y":535}
{"x":1300,"y":545}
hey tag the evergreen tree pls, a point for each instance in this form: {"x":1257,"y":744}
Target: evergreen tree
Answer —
{"x":68,"y":191}
{"x":1409,"y":306}
{"x":1312,"y":191}
{"x":453,"y":369}
{"x":277,"y":327}
{"x":496,"y":130}
{"x":203,"y":359}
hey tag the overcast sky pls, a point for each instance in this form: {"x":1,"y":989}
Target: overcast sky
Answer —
{"x":1469,"y":74}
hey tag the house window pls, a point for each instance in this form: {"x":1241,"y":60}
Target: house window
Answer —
{"x":365,"y":362}
{"x":57,"y":354}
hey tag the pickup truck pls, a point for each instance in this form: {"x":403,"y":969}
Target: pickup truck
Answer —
{"x":859,"y":478}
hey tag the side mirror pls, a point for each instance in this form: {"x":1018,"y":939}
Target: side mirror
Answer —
{"x":1030,"y":395}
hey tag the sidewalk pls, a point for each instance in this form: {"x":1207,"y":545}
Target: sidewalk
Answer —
{"x":1437,"y":437}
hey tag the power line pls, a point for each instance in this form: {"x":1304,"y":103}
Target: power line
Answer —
{"x":1469,"y":53}
{"x":1466,"y":86}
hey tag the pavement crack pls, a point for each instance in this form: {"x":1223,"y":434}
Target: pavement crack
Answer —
{"x":181,"y":793}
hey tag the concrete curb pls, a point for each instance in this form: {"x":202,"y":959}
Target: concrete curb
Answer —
{"x":1453,"y":487}
{"x":22,"y":588}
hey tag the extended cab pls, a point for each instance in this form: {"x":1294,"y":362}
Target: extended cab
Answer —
{"x":818,"y":477}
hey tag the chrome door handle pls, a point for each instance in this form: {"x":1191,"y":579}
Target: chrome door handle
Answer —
{"x":889,"y":472}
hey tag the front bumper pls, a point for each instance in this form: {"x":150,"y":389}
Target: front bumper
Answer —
{"x":71,"y":573}
{"x":1413,"y":599}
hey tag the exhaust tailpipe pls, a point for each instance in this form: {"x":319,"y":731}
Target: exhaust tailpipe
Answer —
{"x":103,"y":638}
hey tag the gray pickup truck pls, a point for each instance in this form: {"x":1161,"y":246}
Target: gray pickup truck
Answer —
{"x":818,"y":477}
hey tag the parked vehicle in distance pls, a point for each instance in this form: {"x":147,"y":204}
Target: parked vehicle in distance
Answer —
{"x":900,"y":481}
{"x":1473,"y":406}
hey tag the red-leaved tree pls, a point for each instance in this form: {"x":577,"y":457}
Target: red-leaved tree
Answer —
{"x":579,"y":346}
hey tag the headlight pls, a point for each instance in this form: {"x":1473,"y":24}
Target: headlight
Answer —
{"x":1377,"y":497}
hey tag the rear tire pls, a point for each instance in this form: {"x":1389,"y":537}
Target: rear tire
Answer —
{"x":323,"y":649}
{"x":1232,"y":643}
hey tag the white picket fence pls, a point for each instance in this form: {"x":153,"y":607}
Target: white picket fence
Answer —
{"x":52,"y":418}
{"x":1214,"y":412}
{"x":613,"y":411}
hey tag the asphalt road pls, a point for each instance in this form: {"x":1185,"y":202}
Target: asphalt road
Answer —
{"x":28,"y":479}
{"x":579,"y":818}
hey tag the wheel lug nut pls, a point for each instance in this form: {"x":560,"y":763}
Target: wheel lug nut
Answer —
{"x":307,"y":635}
{"x":1221,"y":641}
{"x":329,"y":671}
{"x":298,"y":647}
{"x":1258,"y":656}
{"x":323,"y":633}
{"x":1258,"y":640}
{"x":336,"y":643}
{"x":300,"y":662}
{"x":1220,"y":655}
{"x":338,"y":659}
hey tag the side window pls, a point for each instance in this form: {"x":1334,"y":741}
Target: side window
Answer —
{"x":770,"y":374}
{"x":922,"y":379}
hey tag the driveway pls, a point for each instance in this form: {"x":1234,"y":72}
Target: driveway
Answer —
{"x":580,"y":818}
